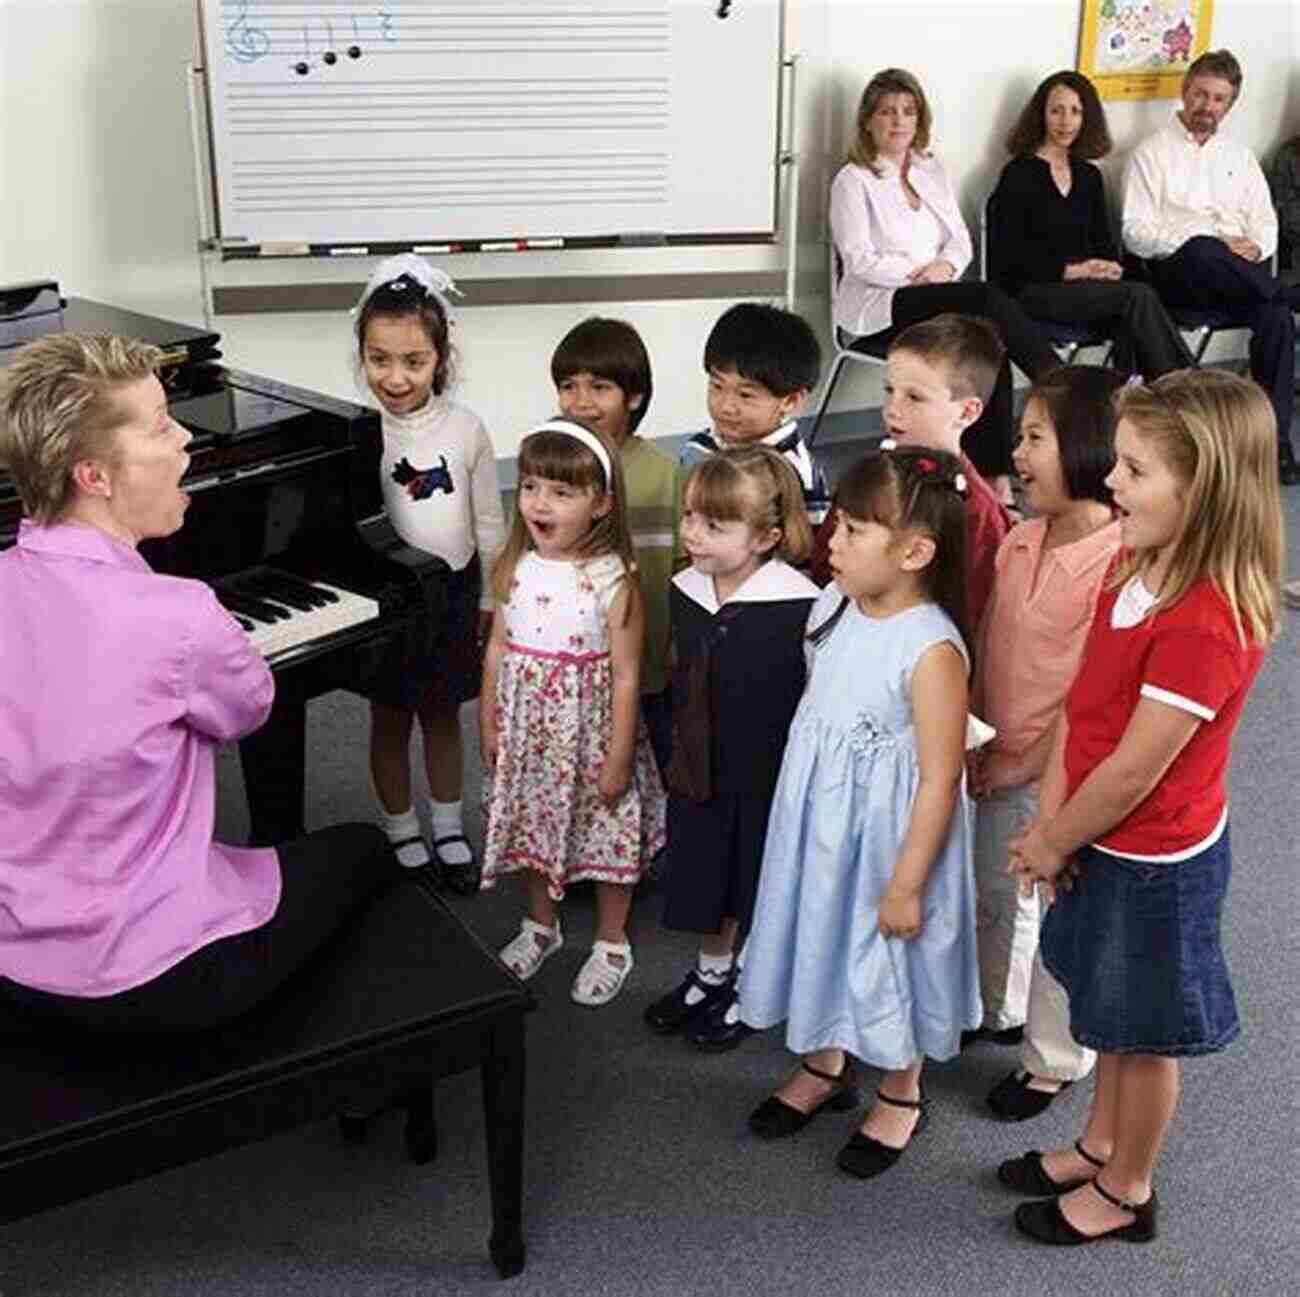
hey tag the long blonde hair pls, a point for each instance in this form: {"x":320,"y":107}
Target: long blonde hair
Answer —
{"x":1217,"y":435}
{"x":754,"y":485}
{"x":554,"y":454}
{"x":889,"y":81}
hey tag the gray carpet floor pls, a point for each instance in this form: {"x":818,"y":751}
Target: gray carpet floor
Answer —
{"x":641,"y":1178}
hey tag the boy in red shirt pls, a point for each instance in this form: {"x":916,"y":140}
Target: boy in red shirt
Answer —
{"x":938,"y":375}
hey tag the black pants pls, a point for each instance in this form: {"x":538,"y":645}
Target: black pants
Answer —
{"x":1146,"y":339}
{"x":988,"y":441}
{"x":1206,"y":275}
{"x":325,"y":876}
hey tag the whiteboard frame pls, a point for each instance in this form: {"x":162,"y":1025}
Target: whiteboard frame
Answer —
{"x":784,"y":164}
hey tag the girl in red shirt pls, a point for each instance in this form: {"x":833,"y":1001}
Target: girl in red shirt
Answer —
{"x":1133,"y":821}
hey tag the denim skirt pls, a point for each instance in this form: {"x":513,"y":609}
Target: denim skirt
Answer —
{"x":1136,"y":945}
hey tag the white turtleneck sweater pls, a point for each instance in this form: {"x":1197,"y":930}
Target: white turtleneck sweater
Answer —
{"x":445,"y":498}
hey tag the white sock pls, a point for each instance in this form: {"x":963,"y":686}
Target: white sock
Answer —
{"x":446,"y":822}
{"x":713,"y":970}
{"x":399,"y":827}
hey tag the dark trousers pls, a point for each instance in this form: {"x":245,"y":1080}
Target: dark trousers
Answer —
{"x":988,"y":441}
{"x":1206,"y":275}
{"x":1146,"y":339}
{"x":325,"y":876}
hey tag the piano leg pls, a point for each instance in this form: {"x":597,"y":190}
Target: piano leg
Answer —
{"x":274,"y":760}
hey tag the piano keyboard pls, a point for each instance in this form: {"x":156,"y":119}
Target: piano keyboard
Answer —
{"x":282,"y":612}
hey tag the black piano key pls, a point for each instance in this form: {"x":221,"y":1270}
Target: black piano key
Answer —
{"x":245,"y":623}
{"x":259,"y":587}
{"x":303,"y":589}
{"x":257,"y":609}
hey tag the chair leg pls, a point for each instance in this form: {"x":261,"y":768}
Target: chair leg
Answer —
{"x":1203,"y":336}
{"x":832,"y":378}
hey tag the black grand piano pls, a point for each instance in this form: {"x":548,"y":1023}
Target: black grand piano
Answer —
{"x":286,"y":523}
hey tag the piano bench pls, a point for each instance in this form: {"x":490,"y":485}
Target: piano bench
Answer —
{"x":405,"y":995}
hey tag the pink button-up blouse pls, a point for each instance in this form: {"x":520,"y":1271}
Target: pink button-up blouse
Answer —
{"x":116,"y":685}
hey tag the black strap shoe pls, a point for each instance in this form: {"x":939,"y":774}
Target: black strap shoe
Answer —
{"x":1044,"y":1221}
{"x":670,"y":1013}
{"x":865,"y":1157}
{"x":1026,"y":1174}
{"x":773,"y":1119}
{"x":710,"y":1030}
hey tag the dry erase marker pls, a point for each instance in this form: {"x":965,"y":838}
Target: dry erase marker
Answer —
{"x":355,"y":250}
{"x":437,"y":249}
{"x":284,"y":249}
{"x":544,"y":243}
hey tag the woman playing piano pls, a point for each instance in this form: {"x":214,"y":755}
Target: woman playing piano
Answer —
{"x":118,"y":910}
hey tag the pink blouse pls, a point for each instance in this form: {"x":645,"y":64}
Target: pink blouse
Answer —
{"x":116,"y":685}
{"x":1032,"y":638}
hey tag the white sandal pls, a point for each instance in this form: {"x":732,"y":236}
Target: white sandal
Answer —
{"x":599,"y":980}
{"x":524,"y":955}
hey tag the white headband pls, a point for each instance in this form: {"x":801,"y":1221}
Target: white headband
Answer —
{"x":588,"y":439}
{"x":406,"y":265}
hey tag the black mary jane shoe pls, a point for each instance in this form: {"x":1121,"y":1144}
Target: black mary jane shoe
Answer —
{"x":461,"y":878}
{"x":773,"y":1119}
{"x":865,"y":1157}
{"x":670,"y":1013}
{"x":1014,"y":1099}
{"x":712,"y":1033}
{"x":1044,"y":1221}
{"x":1026,"y":1174}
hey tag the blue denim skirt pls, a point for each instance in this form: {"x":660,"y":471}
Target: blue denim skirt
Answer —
{"x":1136,"y":946}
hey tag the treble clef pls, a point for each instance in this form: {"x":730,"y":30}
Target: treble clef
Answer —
{"x":245,"y":44}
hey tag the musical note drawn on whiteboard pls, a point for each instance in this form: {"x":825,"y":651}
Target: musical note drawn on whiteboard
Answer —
{"x":245,"y":43}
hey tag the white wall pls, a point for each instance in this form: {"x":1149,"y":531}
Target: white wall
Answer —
{"x":96,"y":174}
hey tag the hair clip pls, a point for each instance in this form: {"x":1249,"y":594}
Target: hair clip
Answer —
{"x":1134,"y":380}
{"x":959,"y":482}
{"x":888,"y":443}
{"x":927,"y":465}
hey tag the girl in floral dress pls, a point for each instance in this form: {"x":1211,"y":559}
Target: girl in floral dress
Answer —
{"x":573,"y":791}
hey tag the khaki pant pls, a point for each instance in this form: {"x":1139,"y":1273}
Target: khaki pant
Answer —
{"x":1015,"y":986}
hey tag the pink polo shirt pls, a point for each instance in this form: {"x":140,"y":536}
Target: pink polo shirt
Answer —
{"x":116,"y":685}
{"x":1033,"y":636}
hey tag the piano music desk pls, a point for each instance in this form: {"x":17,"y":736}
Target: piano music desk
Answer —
{"x":406,"y":995}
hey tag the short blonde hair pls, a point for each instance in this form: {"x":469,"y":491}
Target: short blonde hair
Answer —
{"x":57,"y":408}
{"x":1217,"y":435}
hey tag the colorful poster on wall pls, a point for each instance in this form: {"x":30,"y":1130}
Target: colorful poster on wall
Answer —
{"x":1139,"y":49}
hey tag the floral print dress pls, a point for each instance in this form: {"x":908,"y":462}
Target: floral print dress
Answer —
{"x":555,"y":714}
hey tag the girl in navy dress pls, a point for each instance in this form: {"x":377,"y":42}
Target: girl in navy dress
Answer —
{"x":738,"y":616}
{"x":1133,"y":816}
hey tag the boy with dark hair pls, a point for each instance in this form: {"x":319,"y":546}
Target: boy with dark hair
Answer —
{"x":601,"y":372}
{"x":762,"y":362}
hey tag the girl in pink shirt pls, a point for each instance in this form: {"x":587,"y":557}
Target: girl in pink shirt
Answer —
{"x":1047,"y":576}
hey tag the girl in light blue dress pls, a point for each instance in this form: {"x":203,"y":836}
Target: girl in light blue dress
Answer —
{"x":864,"y":931}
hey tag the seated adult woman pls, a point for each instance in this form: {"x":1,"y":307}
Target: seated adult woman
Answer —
{"x":900,"y":244}
{"x":1050,"y":244}
{"x":118,"y":911}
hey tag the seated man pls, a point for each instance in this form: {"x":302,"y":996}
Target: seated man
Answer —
{"x":1197,"y":208}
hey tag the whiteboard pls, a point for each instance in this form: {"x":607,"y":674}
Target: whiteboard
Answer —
{"x":415,"y":122}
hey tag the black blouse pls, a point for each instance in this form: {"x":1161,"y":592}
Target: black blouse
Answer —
{"x":1035,"y":231}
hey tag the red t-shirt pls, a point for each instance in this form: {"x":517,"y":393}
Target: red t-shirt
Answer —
{"x":987,"y":523}
{"x":1188,"y":656}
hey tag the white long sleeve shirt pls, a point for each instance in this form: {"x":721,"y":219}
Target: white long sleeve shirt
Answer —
{"x":1176,"y":189}
{"x":881,"y":240}
{"x":439,"y":479}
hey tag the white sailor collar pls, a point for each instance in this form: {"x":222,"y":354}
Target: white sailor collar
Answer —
{"x":775,"y":582}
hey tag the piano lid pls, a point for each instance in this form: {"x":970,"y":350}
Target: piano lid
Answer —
{"x":182,"y":343}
